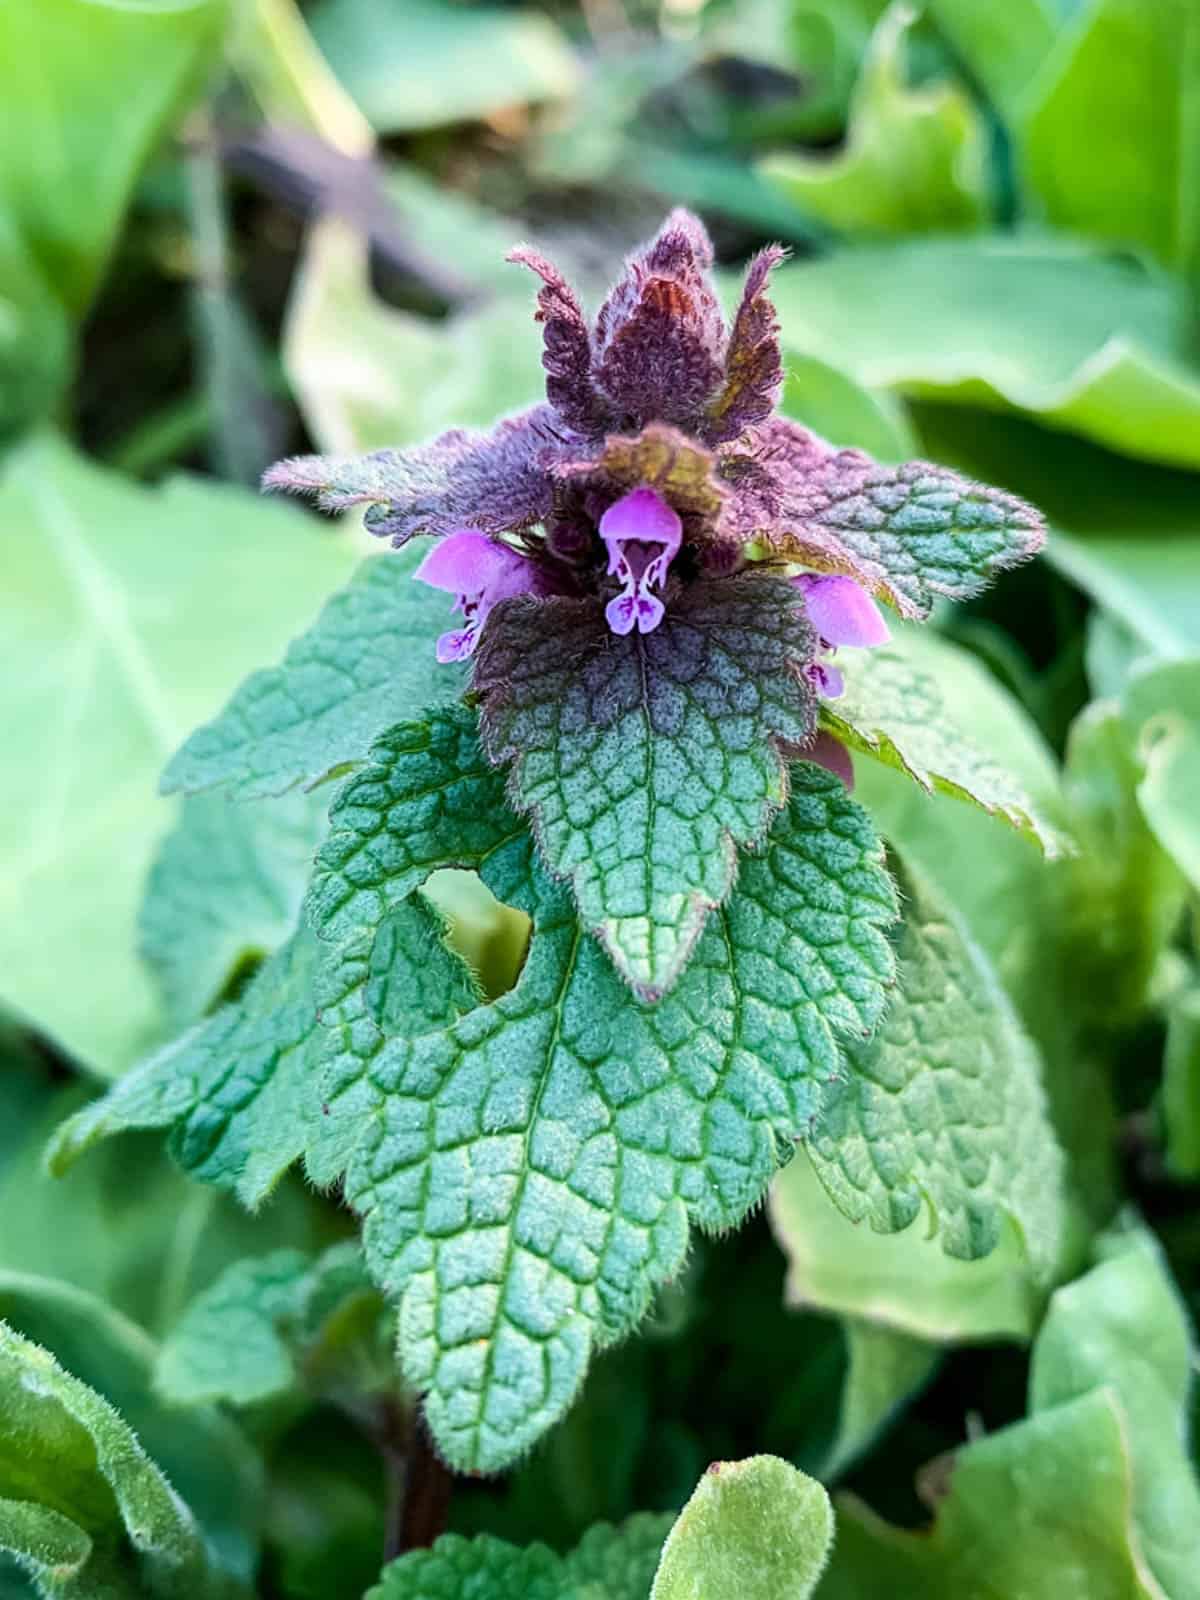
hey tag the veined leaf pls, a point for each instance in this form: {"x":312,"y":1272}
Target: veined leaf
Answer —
{"x":894,"y":711}
{"x":364,"y":664}
{"x":645,"y":762}
{"x":914,"y":158}
{"x":608,"y":1564}
{"x":76,"y":1486}
{"x":758,"y":1528}
{"x":142,"y":609}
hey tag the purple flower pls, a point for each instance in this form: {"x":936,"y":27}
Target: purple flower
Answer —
{"x":642,"y":535}
{"x":841,"y":612}
{"x":479,"y":572}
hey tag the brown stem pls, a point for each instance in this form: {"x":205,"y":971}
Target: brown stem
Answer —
{"x":419,"y":1484}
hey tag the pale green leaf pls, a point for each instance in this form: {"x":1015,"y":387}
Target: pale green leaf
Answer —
{"x":609,"y":1563}
{"x":914,"y":159}
{"x":886,"y":1367}
{"x":646,"y":762}
{"x":64,"y":1449}
{"x":224,"y":893}
{"x":1162,"y":706}
{"x":942,"y":1116}
{"x":203,"y":1454}
{"x":142,"y":609}
{"x":423,"y":63}
{"x":1077,"y":339}
{"x":893,"y":710}
{"x":520,"y":1188}
{"x":255,"y":1333}
{"x":1130,"y":69}
{"x":365,"y":663}
{"x":1003,"y":45}
{"x":758,"y":1529}
{"x":1148,"y":583}
{"x":1123,"y":1325}
{"x":827,"y":400}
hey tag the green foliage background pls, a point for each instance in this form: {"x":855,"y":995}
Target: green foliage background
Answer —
{"x":231,"y":229}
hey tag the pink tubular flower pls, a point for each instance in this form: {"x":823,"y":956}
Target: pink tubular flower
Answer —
{"x":480,"y":573}
{"x":841,"y":612}
{"x":642,"y":535}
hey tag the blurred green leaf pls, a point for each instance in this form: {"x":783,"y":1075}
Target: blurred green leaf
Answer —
{"x":1181,"y":1084}
{"x":1161,"y":704}
{"x":142,"y":610}
{"x":831,"y":403}
{"x":886,"y":1368}
{"x":758,"y":1529}
{"x":203,"y":1454}
{"x":74,"y":139}
{"x":915,"y":159}
{"x":224,"y":892}
{"x":1002,"y":45}
{"x":423,"y":63}
{"x":1127,"y":71}
{"x":65,"y":1453}
{"x":1080,"y":341}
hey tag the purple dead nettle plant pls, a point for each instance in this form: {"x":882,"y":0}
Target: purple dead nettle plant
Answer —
{"x":656,"y":510}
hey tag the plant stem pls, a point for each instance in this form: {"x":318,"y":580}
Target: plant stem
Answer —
{"x":419,"y":1484}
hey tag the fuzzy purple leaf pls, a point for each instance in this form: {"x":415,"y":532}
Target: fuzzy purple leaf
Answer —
{"x":567,"y":352}
{"x":753,"y":362}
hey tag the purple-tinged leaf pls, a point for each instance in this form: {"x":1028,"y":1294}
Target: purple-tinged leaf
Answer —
{"x":753,"y":362}
{"x":567,"y":352}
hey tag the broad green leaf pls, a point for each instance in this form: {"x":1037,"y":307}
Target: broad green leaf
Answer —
{"x":1078,"y":340}
{"x":893,"y":710}
{"x":914,"y":158}
{"x":1162,"y":704}
{"x":257,"y":1332}
{"x":532,"y":1201}
{"x":35,"y":335}
{"x":423,"y":63}
{"x":886,"y":1368}
{"x":609,"y":1563}
{"x":1148,"y":584}
{"x":232,"y":1088}
{"x":1181,"y":1084}
{"x":142,"y":610}
{"x":205,"y":1457}
{"x":758,"y":1529}
{"x":65,"y":1451}
{"x":645,"y":763}
{"x":1123,"y":1325}
{"x":831,"y":403}
{"x":1003,"y":46}
{"x":224,"y":893}
{"x":364,"y":663}
{"x":1040,"y":1509}
{"x":68,"y":131}
{"x":1135,"y":181}
{"x":942,"y":1115}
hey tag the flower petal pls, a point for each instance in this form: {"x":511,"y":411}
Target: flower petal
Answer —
{"x":841,"y":611}
{"x":644,"y":515}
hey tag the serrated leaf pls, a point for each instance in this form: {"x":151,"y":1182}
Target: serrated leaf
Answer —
{"x":758,"y":1529}
{"x":893,"y":710}
{"x":66,"y":1451}
{"x":232,"y":1089}
{"x":609,"y":1563}
{"x":520,"y":1190}
{"x":943,"y":1113}
{"x":247,"y":1337}
{"x":645,"y":762}
{"x":914,"y":158}
{"x":363,"y":665}
{"x":224,"y":893}
{"x":142,"y":608}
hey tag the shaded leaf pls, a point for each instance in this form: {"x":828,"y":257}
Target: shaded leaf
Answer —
{"x":1162,"y":704}
{"x":1181,"y":1084}
{"x":886,"y":1369}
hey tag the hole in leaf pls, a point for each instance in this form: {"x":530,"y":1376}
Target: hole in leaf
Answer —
{"x":492,"y":938}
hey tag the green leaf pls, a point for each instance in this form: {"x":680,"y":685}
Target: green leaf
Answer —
{"x":1137,"y":59}
{"x":519,"y":1193}
{"x":758,"y":1529}
{"x":886,"y":1368}
{"x":224,"y":892}
{"x":1075,"y":338}
{"x":424,"y":63}
{"x":1143,"y":581}
{"x":1003,"y":46}
{"x":893,"y":710}
{"x":205,"y":1457}
{"x":1181,"y":1084}
{"x":254,"y":1333}
{"x":1123,"y":1326}
{"x":608,"y":1564}
{"x":142,"y":609}
{"x":914,"y":159}
{"x":365,"y":663}
{"x":943,"y":1113}
{"x":831,"y":403}
{"x":645,"y":762}
{"x":68,"y":131}
{"x":66,"y":1452}
{"x":232,"y":1089}
{"x":1162,"y":704}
